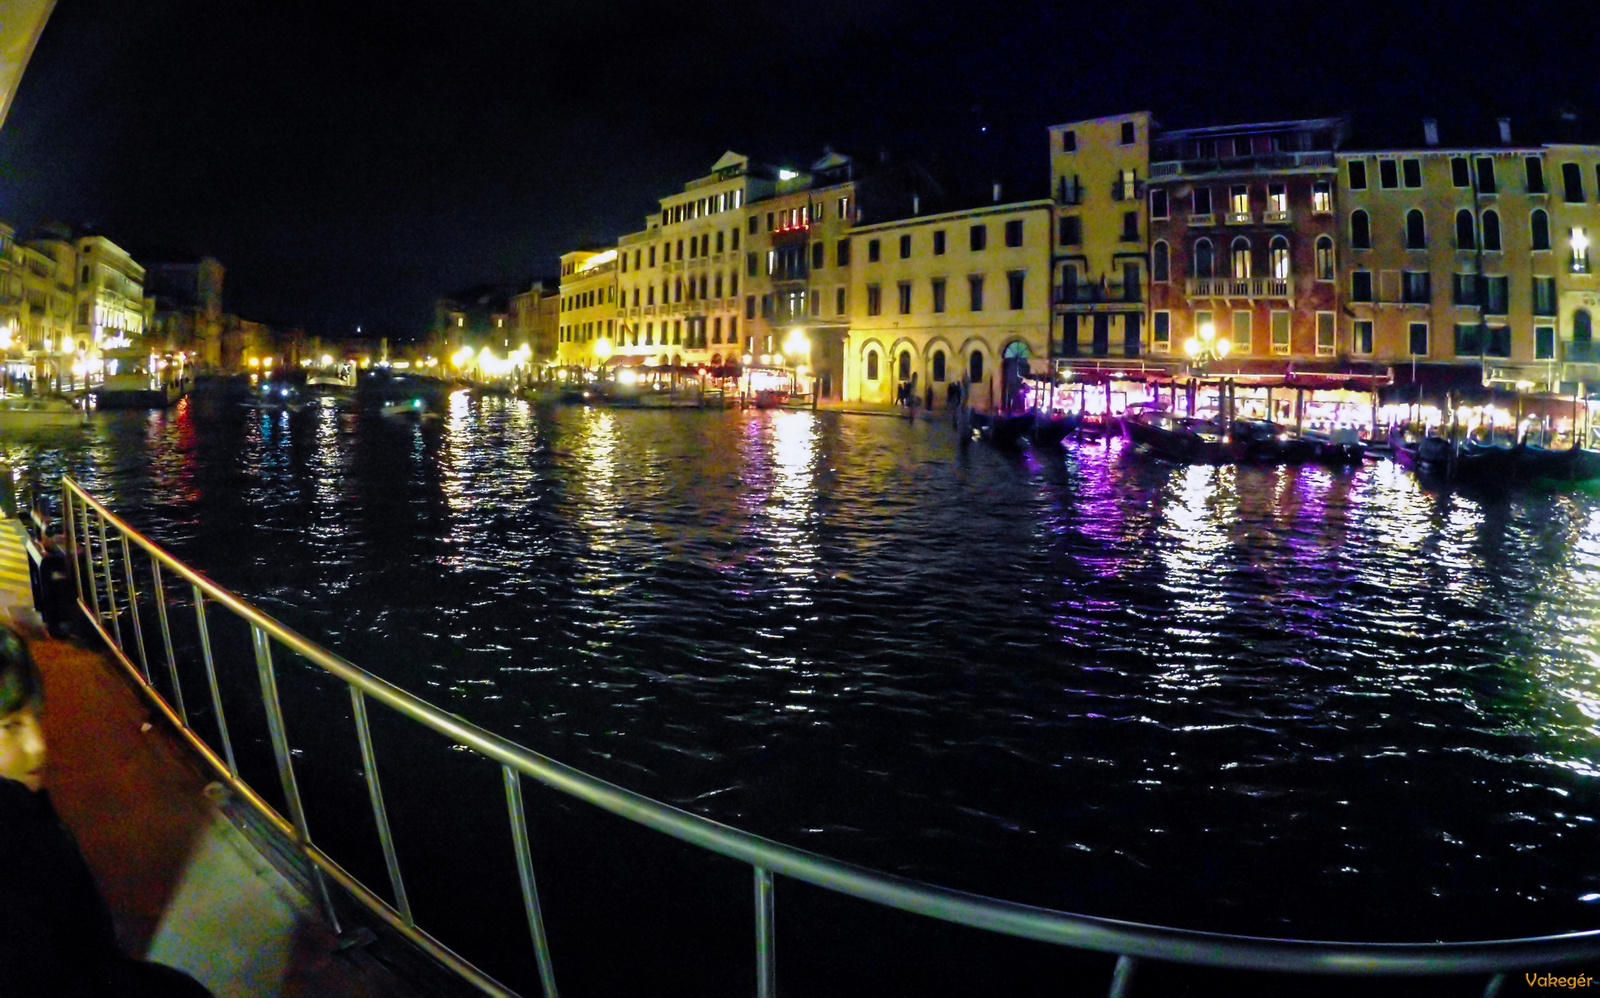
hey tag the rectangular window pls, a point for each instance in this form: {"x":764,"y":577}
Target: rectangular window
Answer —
{"x":1014,"y":232}
{"x":1496,"y":294}
{"x":874,"y":299}
{"x":1415,"y":287}
{"x":1358,"y":174}
{"x":716,"y":329}
{"x":938,"y":242}
{"x":978,"y":238}
{"x":1469,"y":339}
{"x":1580,"y":250}
{"x":1417,"y":339}
{"x":844,"y":209}
{"x":1161,"y":332}
{"x":975,"y":293}
{"x":1240,"y":334}
{"x":1362,"y":336}
{"x":1277,"y":201}
{"x":1464,"y":289}
{"x":1202,"y":319}
{"x":1388,"y":174}
{"x":1280,"y":333}
{"x":1202,"y":200}
{"x":838,"y":301}
{"x":1324,"y":259}
{"x":1127,"y":133}
{"x":938,"y":294}
{"x":1325,"y":333}
{"x":1130,"y":226}
{"x":733,"y":239}
{"x":905,"y":297}
{"x":1158,"y":203}
{"x":841,"y":253}
{"x":1544,"y":296}
{"x":1485,"y":175}
{"x":1321,"y":196}
{"x":750,"y":307}
{"x":1533,"y":168}
{"x":819,"y":256}
{"x":1572,"y":183}
{"x":1544,"y":343}
{"x":873,"y":250}
{"x":750,"y":265}
{"x":1460,"y":173}
{"x":1014,"y":281}
{"x":1411,"y":172}
{"x":1361,"y":285}
{"x":1069,"y":141}
{"x":1071,"y":231}
{"x":905,"y":247}
{"x":1239,"y":200}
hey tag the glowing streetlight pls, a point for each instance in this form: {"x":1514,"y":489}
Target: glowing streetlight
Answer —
{"x":602,"y":348}
{"x":797,"y":345}
{"x":1205,"y":346}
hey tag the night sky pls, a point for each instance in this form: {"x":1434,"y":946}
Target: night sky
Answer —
{"x":348,"y":162}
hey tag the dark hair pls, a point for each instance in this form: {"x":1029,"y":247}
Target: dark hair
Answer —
{"x":20,"y":684}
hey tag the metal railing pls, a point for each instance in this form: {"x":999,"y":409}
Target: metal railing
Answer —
{"x":99,"y":541}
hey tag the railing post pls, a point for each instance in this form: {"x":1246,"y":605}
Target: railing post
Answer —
{"x":530,"y":890}
{"x":211,"y":679}
{"x":380,"y":814}
{"x":1122,"y":977}
{"x":111,"y":584}
{"x":89,"y":565}
{"x":766,"y":954}
{"x":280,"y":749}
{"x":166,"y":638}
{"x":133,"y":608}
{"x":69,"y":534}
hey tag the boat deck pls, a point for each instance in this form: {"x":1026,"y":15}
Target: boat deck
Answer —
{"x":187,"y":886}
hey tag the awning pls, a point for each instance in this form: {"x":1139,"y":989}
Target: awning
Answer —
{"x":629,"y":360}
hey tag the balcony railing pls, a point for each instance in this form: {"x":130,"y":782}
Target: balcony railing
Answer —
{"x":1127,"y":190}
{"x":1580,"y":352}
{"x":1241,"y":217}
{"x":1237,"y":287}
{"x":1206,"y":219}
{"x":1276,"y":217}
{"x":1096,"y":294}
{"x":1231,"y":164}
{"x":1069,"y":194}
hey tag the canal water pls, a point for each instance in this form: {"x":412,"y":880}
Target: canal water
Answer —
{"x":1301,"y":702}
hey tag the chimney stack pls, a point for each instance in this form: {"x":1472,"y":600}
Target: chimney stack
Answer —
{"x":1430,"y":131}
{"x":997,"y":191}
{"x":1505,"y":131}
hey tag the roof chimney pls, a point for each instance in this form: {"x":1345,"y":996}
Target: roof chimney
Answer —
{"x":916,"y":203}
{"x":1505,"y":131}
{"x":1430,"y":131}
{"x":997,"y":191}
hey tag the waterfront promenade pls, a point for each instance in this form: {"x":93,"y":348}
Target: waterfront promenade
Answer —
{"x":187,"y":885}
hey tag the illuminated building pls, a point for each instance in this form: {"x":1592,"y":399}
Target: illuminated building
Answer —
{"x":680,"y":278}
{"x":587,"y":327}
{"x":536,"y":321}
{"x":1242,"y":236}
{"x":36,"y":303}
{"x":188,"y":307}
{"x":1099,"y":169}
{"x":1567,"y":356}
{"x":957,"y":296}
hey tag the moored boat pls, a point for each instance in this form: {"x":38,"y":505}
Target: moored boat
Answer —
{"x":1341,"y":445}
{"x":1178,"y":438}
{"x":21,"y":414}
{"x":1049,"y":430}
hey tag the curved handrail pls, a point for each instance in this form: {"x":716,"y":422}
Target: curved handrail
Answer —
{"x":1124,"y":938}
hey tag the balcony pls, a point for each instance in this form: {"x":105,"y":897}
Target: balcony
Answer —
{"x":1276,"y":217}
{"x":1240,"y":164}
{"x":1576,"y":352}
{"x":1096,"y":294}
{"x":1127,"y":190}
{"x":1069,"y":194}
{"x":1236,"y":287}
{"x":1241,"y":218}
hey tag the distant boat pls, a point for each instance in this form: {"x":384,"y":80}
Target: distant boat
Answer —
{"x":411,"y":408}
{"x":22,"y":415}
{"x":137,"y":391}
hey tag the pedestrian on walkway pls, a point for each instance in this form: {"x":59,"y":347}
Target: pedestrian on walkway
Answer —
{"x":56,"y":934}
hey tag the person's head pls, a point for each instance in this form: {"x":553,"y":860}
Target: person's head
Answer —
{"x":22,"y":751}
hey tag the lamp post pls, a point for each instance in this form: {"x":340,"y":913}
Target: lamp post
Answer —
{"x":602,"y":352}
{"x":1203,"y":348}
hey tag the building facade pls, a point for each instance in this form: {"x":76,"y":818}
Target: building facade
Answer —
{"x":959,"y":297}
{"x":587,"y":325}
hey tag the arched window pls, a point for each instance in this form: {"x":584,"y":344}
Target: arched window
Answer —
{"x":1582,"y":328}
{"x":905,"y":365}
{"x":1539,"y":223}
{"x":1202,"y":258}
{"x":1239,"y":256}
{"x":1280,"y":258}
{"x":1325,"y":258}
{"x":975,"y":367}
{"x":1491,"y":231}
{"x":1160,"y":261}
{"x":1416,"y":233}
{"x":872,"y":365}
{"x":1360,"y":229}
{"x":938,"y":365}
{"x":1465,"y":237}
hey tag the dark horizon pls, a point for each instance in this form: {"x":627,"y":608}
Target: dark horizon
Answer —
{"x":348,"y":166}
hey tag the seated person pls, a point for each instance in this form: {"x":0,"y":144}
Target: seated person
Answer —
{"x":56,"y":935}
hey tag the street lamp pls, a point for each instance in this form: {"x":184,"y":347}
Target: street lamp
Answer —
{"x":1202,"y":349}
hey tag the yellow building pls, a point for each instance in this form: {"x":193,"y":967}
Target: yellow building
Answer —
{"x":587,"y":328}
{"x":679,"y":278}
{"x":956,"y":297}
{"x":1573,"y":174}
{"x":1098,"y":171}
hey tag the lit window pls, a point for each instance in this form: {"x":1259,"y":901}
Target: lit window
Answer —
{"x":1580,"y":252}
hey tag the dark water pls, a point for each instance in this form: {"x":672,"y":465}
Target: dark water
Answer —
{"x":1298,"y":701}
